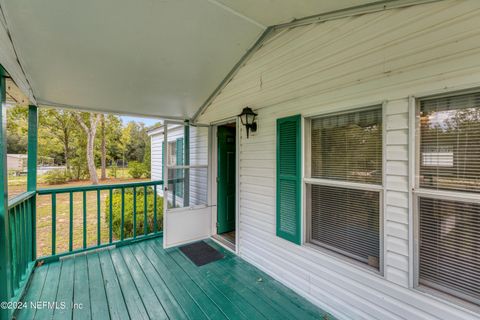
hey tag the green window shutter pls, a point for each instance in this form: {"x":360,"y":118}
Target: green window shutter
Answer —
{"x":179,"y":160}
{"x":163,"y":161}
{"x":289,"y":168}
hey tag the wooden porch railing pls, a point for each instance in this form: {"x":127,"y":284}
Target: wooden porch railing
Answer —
{"x":22,"y":226}
{"x":138,"y":189}
{"x":21,"y":211}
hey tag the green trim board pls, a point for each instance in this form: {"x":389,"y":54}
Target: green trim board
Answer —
{"x":145,"y":281}
{"x":289,"y":178}
{"x":179,"y":172}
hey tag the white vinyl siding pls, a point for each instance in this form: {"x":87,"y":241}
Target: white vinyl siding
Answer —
{"x":157,"y":140}
{"x":198,"y":156}
{"x":337,"y":66}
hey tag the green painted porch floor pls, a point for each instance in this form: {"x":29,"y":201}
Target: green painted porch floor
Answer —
{"x":144,"y":281}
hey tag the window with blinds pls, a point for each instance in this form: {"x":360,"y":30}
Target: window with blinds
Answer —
{"x":347,"y":221}
{"x":344,"y":217}
{"x":348,"y":146}
{"x":449,"y":247}
{"x":449,"y":229}
{"x":450,"y":143}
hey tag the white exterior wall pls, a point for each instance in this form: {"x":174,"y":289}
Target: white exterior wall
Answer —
{"x":156,"y":156}
{"x":335,"y":66}
{"x":157,"y":139}
{"x":198,"y":156}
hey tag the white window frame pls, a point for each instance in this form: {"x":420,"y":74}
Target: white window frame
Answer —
{"x":418,"y":192}
{"x":308,"y":181}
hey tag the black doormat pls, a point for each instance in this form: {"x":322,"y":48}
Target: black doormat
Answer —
{"x":201,"y":253}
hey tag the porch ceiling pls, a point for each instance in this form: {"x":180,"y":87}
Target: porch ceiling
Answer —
{"x":155,"y":58}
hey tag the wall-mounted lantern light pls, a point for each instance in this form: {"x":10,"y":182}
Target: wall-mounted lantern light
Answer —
{"x":248,"y":119}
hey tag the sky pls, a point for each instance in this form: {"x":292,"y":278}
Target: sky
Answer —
{"x":148,"y":121}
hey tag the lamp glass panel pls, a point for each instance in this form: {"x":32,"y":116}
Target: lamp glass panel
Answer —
{"x":243,"y":118}
{"x":250,"y":118}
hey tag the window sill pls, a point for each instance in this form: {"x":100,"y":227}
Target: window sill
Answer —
{"x":318,"y":250}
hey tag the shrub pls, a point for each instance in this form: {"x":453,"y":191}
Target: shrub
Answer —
{"x":55,"y":177}
{"x":137,"y":169}
{"x":113,"y":171}
{"x":78,"y":169}
{"x":128,"y":213}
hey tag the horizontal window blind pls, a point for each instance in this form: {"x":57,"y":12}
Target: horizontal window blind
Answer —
{"x":347,"y":221}
{"x":348,"y":146}
{"x":449,"y":245}
{"x":450,"y":143}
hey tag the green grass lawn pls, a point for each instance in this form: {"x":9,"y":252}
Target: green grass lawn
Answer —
{"x":44,"y":214}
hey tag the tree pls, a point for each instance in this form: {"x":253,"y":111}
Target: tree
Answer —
{"x":113,"y":136}
{"x":135,"y":138}
{"x":90,"y":131}
{"x":17,"y":118}
{"x":60,"y":124}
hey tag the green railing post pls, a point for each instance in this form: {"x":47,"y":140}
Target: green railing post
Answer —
{"x":70,"y":223}
{"x":84,"y":219}
{"x":155,"y":227}
{"x":186,"y":174}
{"x":5,"y":262}
{"x":134,"y":212}
{"x":122,"y":223}
{"x":110,"y":218}
{"x":54,"y":223}
{"x":99,"y":235}
{"x":145,"y":208}
{"x":32,"y":170}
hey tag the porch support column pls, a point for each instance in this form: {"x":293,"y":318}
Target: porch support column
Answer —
{"x":32,"y":169}
{"x":186,"y":147}
{"x":5,"y":262}
{"x":32,"y":148}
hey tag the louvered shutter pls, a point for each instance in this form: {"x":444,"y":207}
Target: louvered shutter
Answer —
{"x":289,"y":178}
{"x":179,"y":162}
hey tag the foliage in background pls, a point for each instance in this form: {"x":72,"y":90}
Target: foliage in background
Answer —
{"x":137,"y":169}
{"x":128,"y":212}
{"x":62,"y":142}
{"x":55,"y":177}
{"x":17,"y":124}
{"x":113,"y":171}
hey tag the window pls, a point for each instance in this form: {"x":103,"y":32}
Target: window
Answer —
{"x":448,"y":213}
{"x":348,"y":147}
{"x":450,"y":143}
{"x":345,"y":184}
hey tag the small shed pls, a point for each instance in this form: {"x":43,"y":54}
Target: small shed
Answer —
{"x":17,"y":162}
